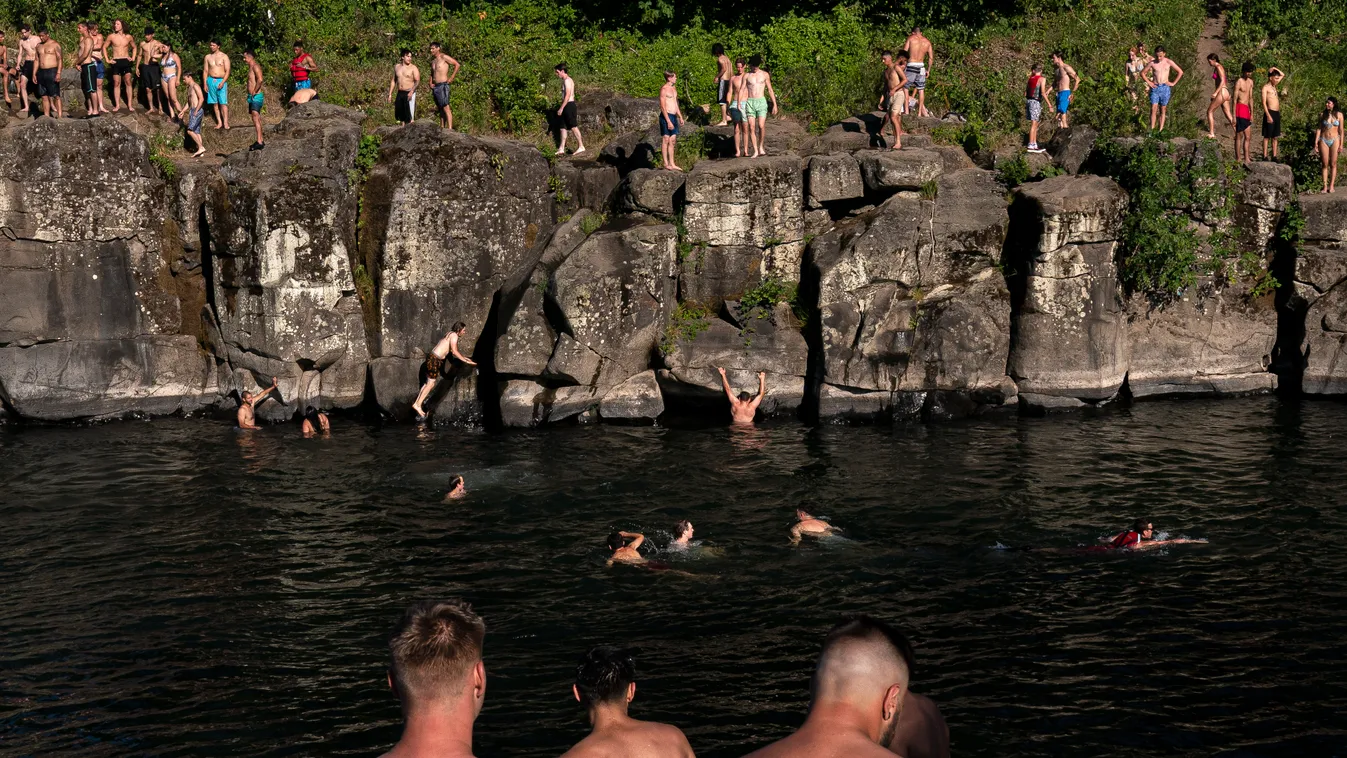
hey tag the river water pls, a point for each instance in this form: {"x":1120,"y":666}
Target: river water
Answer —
{"x":176,"y":588}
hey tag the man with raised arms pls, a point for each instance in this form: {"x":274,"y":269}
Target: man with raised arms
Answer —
{"x":744,"y":407}
{"x":920,"y":61}
{"x":218,"y":67}
{"x":447,"y":346}
{"x":246,"y":419}
{"x":440,"y":79}
{"x":49,"y":65}
{"x":623,"y":551}
{"x":26,"y":63}
{"x":757,"y":87}
{"x":439,"y":679}
{"x":605,"y":684}
{"x":1156,"y":76}
{"x":406,"y":78}
{"x":724,"y":73}
{"x":893,"y":99}
{"x":119,"y":49}
{"x":856,"y":696}
{"x":808,"y":526}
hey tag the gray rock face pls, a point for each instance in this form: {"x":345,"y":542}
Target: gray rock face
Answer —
{"x":768,"y":341}
{"x":910,"y":299}
{"x":1071,"y":328}
{"x":749,"y":202}
{"x":1070,"y":148}
{"x":283,"y":239}
{"x":99,"y":305}
{"x":1321,"y":284}
{"x":630,"y":114}
{"x":449,"y":220}
{"x":888,"y":171}
{"x":636,"y":399}
{"x":584,"y":184}
{"x":836,"y":176}
{"x":650,"y":190}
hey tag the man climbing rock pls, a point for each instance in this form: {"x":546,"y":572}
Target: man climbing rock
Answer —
{"x":435,"y":364}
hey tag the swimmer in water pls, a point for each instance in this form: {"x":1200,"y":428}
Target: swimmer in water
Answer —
{"x":809,"y":526}
{"x":457,"y":490}
{"x":623,"y":551}
{"x":1141,"y":537}
{"x":682,"y":535}
{"x":250,"y":401}
{"x":315,"y":421}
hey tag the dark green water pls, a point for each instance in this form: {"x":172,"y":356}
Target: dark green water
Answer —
{"x":177,"y":588}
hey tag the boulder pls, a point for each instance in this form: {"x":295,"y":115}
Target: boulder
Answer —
{"x":1071,"y":148}
{"x":584,"y":184}
{"x":651,"y":190}
{"x":712,"y":275}
{"x":629,"y":114}
{"x":629,"y":152}
{"x":99,"y":310}
{"x":888,"y":171}
{"x":767,"y":340}
{"x":283,"y":239}
{"x":1321,"y":283}
{"x":450,"y":220}
{"x":781,"y":136}
{"x":636,"y":399}
{"x":850,"y":135}
{"x":832,"y":177}
{"x":755,"y":202}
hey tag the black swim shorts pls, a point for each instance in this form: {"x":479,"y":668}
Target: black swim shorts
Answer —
{"x":441,"y":93}
{"x":121,"y":67}
{"x":26,"y":70}
{"x":1242,"y":124}
{"x":47,"y":84}
{"x":570,"y":116}
{"x":1272,"y":125}
{"x":89,"y":78}
{"x":723,"y":92}
{"x":151,"y":76}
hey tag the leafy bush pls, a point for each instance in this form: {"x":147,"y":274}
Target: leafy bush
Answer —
{"x":685,"y":324}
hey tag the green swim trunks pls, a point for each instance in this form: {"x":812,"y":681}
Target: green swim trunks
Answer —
{"x":755,"y":107}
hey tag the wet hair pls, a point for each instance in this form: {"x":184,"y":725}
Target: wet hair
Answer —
{"x":454,"y":482}
{"x":561,"y":67}
{"x":865,"y":628}
{"x":434,"y":646}
{"x":681,"y":528}
{"x":1037,"y":68}
{"x":404,"y":52}
{"x":1246,"y":69}
{"x":1213,"y":58}
{"x":717,"y":49}
{"x":604,"y":675}
{"x":755,"y":60}
{"x":744,"y":396}
{"x":615,"y":541}
{"x":459,"y":325}
{"x":1140,"y":525}
{"x":299,"y":43}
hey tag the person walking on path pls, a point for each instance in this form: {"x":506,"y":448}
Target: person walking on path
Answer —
{"x":256,"y":97}
{"x":302,"y":67}
{"x":1272,"y":112}
{"x":118,"y":50}
{"x":568,"y":112}
{"x":406,"y":78}
{"x":894,"y":97}
{"x":1067,"y":81}
{"x":758,"y":85}
{"x":218,"y":67}
{"x":1220,"y":96}
{"x":1243,"y":112}
{"x":50,"y":62}
{"x":1035,"y":92}
{"x":1328,"y":139}
{"x":670,"y":118}
{"x":196,"y":113}
{"x":920,"y":61}
{"x":1156,"y":77}
{"x":724,"y":72}
{"x":440,"y":79}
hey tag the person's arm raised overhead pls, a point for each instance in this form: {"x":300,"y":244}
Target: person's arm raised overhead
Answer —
{"x":636,"y":538}
{"x":729,"y":391}
{"x":762,"y":391}
{"x":259,"y":397}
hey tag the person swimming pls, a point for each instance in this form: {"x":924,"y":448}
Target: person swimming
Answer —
{"x":623,"y":551}
{"x":457,"y":489}
{"x":1141,"y":537}
{"x":682,"y":536}
{"x":314,"y":422}
{"x":807,"y":525}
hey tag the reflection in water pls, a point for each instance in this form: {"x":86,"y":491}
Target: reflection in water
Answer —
{"x":177,"y":587}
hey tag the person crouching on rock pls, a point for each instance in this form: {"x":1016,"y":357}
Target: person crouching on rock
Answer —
{"x":744,"y":407}
{"x":435,"y":362}
{"x":250,"y":401}
{"x":457,"y":490}
{"x":315,"y":421}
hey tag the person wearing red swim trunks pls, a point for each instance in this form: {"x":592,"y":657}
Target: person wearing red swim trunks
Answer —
{"x":1243,"y":111}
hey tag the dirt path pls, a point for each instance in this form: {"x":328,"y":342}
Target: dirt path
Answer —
{"x":1213,"y":41}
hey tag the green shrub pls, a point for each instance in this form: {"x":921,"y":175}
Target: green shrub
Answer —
{"x":686,"y":322}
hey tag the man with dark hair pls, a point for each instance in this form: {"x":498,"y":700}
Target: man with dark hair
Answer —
{"x":302,"y":67}
{"x":1067,"y":82}
{"x":50,"y":61}
{"x":4,"y":68}
{"x":196,"y":112}
{"x":1035,"y":92}
{"x":623,"y":551}
{"x":893,"y":101}
{"x":757,"y":88}
{"x":440,"y":79}
{"x":447,"y":346}
{"x":149,"y":56}
{"x":250,"y":400}
{"x":920,"y":61}
{"x":256,"y":98}
{"x":744,"y":407}
{"x":1156,"y":76}
{"x":922,"y":732}
{"x":856,"y":697}
{"x":217,"y":69}
{"x":568,"y":112}
{"x":1243,"y":111}
{"x":26,"y":65}
{"x":605,"y":683}
{"x":1272,"y":113}
{"x":439,"y":678}
{"x":670,"y":118}
{"x":682,"y":534}
{"x":84,"y":61}
{"x":406,"y":78}
{"x":724,"y":72}
{"x":806,"y":525}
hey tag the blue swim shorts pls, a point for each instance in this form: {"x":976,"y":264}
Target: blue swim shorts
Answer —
{"x":1160,"y":94}
{"x":1063,"y":100}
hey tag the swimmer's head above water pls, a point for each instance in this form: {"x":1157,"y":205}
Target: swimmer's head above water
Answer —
{"x":802,"y":514}
{"x":682,"y":532}
{"x":457,"y":489}
{"x":1144,"y":528}
{"x":615,"y":541}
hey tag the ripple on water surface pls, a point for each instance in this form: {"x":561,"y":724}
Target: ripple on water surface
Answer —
{"x":176,"y":588}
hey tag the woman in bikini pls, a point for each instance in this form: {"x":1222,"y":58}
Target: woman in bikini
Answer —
{"x":1136,"y":63}
{"x":1329,"y":141}
{"x":1220,"y":97}
{"x":170,"y":64}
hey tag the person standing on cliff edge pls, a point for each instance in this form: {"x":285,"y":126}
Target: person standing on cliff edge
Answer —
{"x":724,"y":72}
{"x":49,"y":64}
{"x":920,"y":61}
{"x":196,"y":113}
{"x":218,"y":66}
{"x":435,"y":363}
{"x":568,"y":112}
{"x":256,"y":97}
{"x":744,"y":407}
{"x":1243,"y":111}
{"x":670,"y":117}
{"x":406,"y":78}
{"x":1156,"y":77}
{"x":1272,"y":113}
{"x":440,"y":79}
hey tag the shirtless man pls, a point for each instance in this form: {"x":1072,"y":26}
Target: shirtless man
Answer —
{"x":84,"y":60}
{"x":743,"y":408}
{"x":569,"y":113}
{"x":435,"y":361}
{"x":406,"y":78}
{"x":100,"y":69}
{"x":195,"y":112}
{"x":856,"y":696}
{"x":623,"y":551}
{"x":26,"y":63}
{"x":920,"y":61}
{"x":737,"y":109}
{"x":151,"y":74}
{"x":808,"y":526}
{"x":757,"y":85}
{"x":1067,"y":82}
{"x":893,"y":100}
{"x":49,"y":65}
{"x":724,"y":73}
{"x":457,"y":489}
{"x":1272,"y":112}
{"x":257,"y":99}
{"x":682,"y":536}
{"x":4,"y":68}
{"x":440,"y":79}
{"x":922,"y":732}
{"x":218,"y":67}
{"x":670,"y":118}
{"x":605,"y":684}
{"x":1156,"y":76}
{"x":1243,"y":112}
{"x":118,"y":49}
{"x":250,"y":401}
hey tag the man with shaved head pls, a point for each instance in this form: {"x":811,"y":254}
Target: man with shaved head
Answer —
{"x":857,"y":695}
{"x":438,"y":676}
{"x":922,"y":732}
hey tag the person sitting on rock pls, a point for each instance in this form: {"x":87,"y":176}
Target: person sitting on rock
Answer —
{"x":250,"y":401}
{"x":435,"y":362}
{"x":457,"y":490}
{"x":744,"y":407}
{"x":623,"y":551}
{"x":315,"y":421}
{"x":807,"y":525}
{"x":605,"y":684}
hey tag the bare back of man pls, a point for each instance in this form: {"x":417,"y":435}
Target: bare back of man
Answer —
{"x":632,"y":738}
{"x":920,"y":61}
{"x":922,"y":732}
{"x":743,"y":408}
{"x":808,"y":526}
